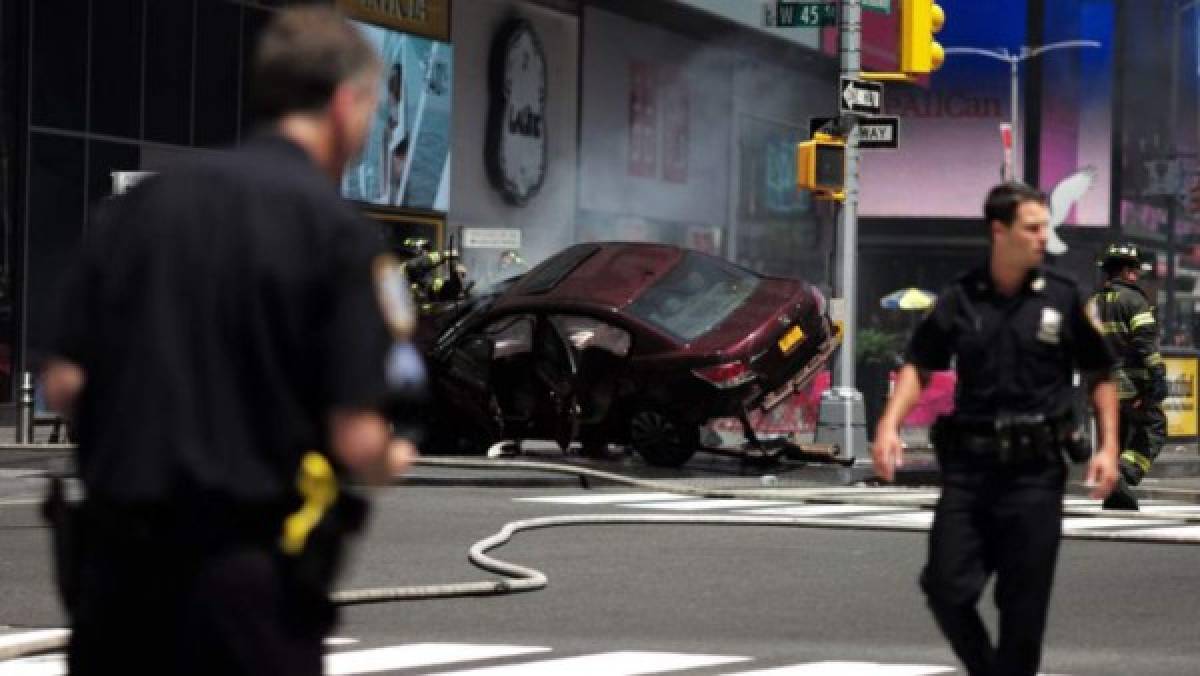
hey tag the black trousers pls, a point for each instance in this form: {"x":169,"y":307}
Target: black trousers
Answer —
{"x":1002,"y":520}
{"x":1143,"y":433}
{"x":154,"y":601}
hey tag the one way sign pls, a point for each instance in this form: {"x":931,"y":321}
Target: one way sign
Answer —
{"x":873,"y":132}
{"x":859,"y":96}
{"x":879,"y":132}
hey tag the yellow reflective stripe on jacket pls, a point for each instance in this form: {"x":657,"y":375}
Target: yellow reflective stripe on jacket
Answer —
{"x":1141,"y":319}
{"x":1154,"y":359}
{"x":1113,"y":327}
{"x":1137,"y":459}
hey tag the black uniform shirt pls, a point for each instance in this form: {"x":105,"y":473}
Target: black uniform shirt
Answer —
{"x":1015,"y":355}
{"x":220,"y":311}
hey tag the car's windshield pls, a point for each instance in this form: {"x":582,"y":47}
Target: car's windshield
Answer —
{"x":546,"y":276}
{"x":695,"y":296}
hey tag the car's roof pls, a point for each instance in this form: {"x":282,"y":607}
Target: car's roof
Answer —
{"x":610,"y":274}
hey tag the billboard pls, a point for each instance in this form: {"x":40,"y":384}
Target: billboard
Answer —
{"x":1180,"y":404}
{"x":406,"y":159}
{"x":950,"y":149}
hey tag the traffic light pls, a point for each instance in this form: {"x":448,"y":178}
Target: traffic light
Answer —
{"x":821,"y":166}
{"x":920,"y":54}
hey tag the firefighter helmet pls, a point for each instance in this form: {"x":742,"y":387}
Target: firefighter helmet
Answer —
{"x":1123,"y":254}
{"x":412,"y":247}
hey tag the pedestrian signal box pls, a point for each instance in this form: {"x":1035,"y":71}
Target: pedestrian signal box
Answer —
{"x":821,"y":166}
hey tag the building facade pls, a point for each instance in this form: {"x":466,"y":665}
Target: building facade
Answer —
{"x":672,"y":120}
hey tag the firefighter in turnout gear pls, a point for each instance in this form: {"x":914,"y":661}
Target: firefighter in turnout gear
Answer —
{"x":1132,"y":333}
{"x":432,"y":289}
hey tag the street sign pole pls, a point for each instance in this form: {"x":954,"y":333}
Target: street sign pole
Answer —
{"x":851,"y":58}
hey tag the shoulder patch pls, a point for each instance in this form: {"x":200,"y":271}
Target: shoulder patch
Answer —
{"x":395,"y":299}
{"x":1092,"y":313}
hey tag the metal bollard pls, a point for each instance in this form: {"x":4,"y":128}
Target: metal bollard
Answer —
{"x":25,"y":410}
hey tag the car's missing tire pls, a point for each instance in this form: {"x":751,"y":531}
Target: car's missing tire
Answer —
{"x":661,"y":438}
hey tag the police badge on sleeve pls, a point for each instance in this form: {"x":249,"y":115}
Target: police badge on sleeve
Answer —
{"x":395,"y":299}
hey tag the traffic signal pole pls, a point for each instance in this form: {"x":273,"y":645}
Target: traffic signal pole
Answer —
{"x":850,"y":47}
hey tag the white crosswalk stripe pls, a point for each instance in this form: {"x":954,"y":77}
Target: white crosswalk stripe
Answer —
{"x":622,"y":663}
{"x":849,"y":669}
{"x":39,"y":665}
{"x":604,"y":498}
{"x":704,"y":504}
{"x":418,"y":655}
{"x":1159,"y":520}
{"x":463,"y":659}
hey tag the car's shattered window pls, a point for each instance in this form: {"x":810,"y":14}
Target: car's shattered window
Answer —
{"x":586,"y":332}
{"x":511,"y":336}
{"x":695,"y":296}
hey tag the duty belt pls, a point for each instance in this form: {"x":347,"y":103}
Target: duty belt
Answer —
{"x":1010,"y":439}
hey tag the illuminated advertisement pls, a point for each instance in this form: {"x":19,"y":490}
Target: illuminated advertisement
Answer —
{"x":406,"y":159}
{"x":950,"y":148}
{"x":1180,"y":404}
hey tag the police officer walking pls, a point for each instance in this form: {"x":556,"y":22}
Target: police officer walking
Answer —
{"x":223,"y":324}
{"x":1127,"y":320}
{"x":1017,"y":331}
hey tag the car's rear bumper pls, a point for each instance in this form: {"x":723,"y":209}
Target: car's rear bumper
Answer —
{"x":802,"y":378}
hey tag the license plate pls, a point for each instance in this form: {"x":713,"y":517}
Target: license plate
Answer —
{"x":791,"y":339}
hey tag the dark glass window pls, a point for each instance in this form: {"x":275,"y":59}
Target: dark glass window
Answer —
{"x":59,"y":63}
{"x":253,"y":21}
{"x":116,"y":77}
{"x":169,"y":71}
{"x":56,"y":209}
{"x":217,"y":30}
{"x":103,"y":159}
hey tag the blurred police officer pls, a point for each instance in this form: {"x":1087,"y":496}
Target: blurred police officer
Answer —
{"x":1127,"y":320}
{"x":223,"y":323}
{"x":1017,"y":331}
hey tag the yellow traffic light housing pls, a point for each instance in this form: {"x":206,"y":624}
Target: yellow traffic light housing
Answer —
{"x":821,"y":166}
{"x":920,"y":54}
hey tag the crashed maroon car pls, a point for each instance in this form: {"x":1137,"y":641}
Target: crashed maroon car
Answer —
{"x":631,"y":343}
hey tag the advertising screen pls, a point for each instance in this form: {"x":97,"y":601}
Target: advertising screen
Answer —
{"x":1180,"y":405}
{"x":406,"y":159}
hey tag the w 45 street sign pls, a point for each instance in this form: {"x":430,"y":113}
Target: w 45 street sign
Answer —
{"x":805,"y":14}
{"x":814,"y":14}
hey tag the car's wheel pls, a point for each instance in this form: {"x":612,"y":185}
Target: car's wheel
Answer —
{"x":661,"y":438}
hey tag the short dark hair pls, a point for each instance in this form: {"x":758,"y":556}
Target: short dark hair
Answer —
{"x":302,"y":56}
{"x":1004,"y":199}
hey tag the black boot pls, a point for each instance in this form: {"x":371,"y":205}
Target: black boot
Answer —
{"x":1122,"y":497}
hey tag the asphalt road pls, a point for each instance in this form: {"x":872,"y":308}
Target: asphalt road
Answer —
{"x":688,"y":599}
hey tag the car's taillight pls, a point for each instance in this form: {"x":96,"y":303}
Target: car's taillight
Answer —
{"x":730,"y":374}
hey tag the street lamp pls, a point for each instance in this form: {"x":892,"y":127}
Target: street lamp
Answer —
{"x":1013,"y":60}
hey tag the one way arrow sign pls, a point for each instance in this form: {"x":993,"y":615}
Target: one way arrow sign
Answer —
{"x":859,"y":96}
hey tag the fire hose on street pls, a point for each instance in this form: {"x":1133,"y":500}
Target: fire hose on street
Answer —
{"x":516,"y":578}
{"x":519,"y":578}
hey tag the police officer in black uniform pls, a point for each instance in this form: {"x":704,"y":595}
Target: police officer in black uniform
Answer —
{"x":223,"y":324}
{"x":1127,"y":319}
{"x":1018,"y":331}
